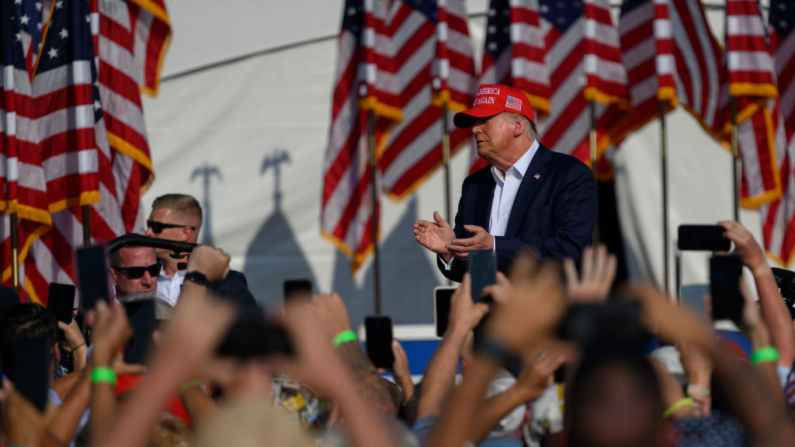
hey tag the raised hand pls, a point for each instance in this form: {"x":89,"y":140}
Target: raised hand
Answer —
{"x":434,"y":235}
{"x":598,"y":273}
{"x":211,"y":262}
{"x":746,"y":246}
{"x":464,"y":313}
{"x":536,"y":307}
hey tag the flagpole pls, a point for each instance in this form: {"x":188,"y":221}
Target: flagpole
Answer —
{"x":446,"y":161}
{"x":664,"y":174}
{"x":86,"y":225}
{"x":15,"y":252}
{"x":738,"y":164}
{"x":374,"y":220}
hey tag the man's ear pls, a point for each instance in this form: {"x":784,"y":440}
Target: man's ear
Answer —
{"x":518,"y":128}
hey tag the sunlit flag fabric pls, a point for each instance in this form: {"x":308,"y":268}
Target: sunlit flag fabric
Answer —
{"x":514,"y":54}
{"x":120,"y":83}
{"x":752,"y":81}
{"x":24,"y":188}
{"x":697,"y":56}
{"x":647,"y":49}
{"x":364,"y":80}
{"x":51,"y":256}
{"x":584,"y":63}
{"x":67,"y":99}
{"x":413,"y":149}
{"x":778,"y":218}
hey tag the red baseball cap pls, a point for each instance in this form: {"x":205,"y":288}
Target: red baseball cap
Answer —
{"x":494,"y":99}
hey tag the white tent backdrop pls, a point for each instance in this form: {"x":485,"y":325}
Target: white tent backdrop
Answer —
{"x":262,"y":123}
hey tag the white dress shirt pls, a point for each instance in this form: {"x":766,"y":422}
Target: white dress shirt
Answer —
{"x":169,"y":287}
{"x":505,"y":190}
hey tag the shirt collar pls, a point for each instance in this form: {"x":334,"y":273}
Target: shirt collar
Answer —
{"x":522,"y":164}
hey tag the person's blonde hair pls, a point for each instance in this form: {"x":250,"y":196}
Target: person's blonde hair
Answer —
{"x":182,"y":204}
{"x":251,"y":423}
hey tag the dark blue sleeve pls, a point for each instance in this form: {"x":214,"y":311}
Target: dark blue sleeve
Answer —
{"x":235,"y":288}
{"x":458,"y":268}
{"x":574,"y":212}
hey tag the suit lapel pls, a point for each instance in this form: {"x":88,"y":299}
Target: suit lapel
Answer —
{"x":528,"y":187}
{"x":484,"y":199}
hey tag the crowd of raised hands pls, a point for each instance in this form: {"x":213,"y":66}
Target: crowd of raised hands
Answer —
{"x":614,"y":393}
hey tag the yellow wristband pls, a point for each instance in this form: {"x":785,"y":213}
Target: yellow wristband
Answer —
{"x":678,"y":405}
{"x":184,"y":387}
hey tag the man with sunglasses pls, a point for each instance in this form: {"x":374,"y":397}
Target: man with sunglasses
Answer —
{"x":178,"y":217}
{"x":134,"y":270}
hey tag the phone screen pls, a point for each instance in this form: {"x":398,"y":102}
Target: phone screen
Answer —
{"x":702,"y":238}
{"x":300,"y":289}
{"x":61,"y":301}
{"x":379,"y":341}
{"x":31,"y":369}
{"x":694,"y":298}
{"x":141,"y":315}
{"x":724,"y":276}
{"x":441,"y":308}
{"x":92,"y":266}
{"x":483,"y":272}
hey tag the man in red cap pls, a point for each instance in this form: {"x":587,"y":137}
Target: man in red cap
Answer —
{"x":528,"y":197}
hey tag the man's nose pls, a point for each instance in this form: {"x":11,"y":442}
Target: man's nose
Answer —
{"x":146,"y":280}
{"x":149,"y":232}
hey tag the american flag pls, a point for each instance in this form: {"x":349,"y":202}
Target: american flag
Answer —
{"x":24,"y":187}
{"x":514,"y":54}
{"x":647,"y":48}
{"x":125,"y":29}
{"x":778,"y":218}
{"x":454,"y":66}
{"x":69,"y":108}
{"x":697,"y":55}
{"x":752,"y":81}
{"x":584,"y":64}
{"x":124,"y":166}
{"x":20,"y":153}
{"x":365,"y":80}
{"x":413,"y":149}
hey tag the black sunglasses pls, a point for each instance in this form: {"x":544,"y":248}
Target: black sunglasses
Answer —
{"x":138,"y":272}
{"x":158,"y":227}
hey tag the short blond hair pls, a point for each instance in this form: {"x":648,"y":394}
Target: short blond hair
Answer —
{"x":182,"y":204}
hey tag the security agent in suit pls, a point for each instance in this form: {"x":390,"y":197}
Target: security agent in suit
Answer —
{"x":530,"y":197}
{"x":179,"y":217}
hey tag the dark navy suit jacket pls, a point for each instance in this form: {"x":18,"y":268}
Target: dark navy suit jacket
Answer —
{"x":234,"y":288}
{"x":554,"y":212}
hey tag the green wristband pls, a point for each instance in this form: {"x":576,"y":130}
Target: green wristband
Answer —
{"x":764,"y":355}
{"x":343,"y":337}
{"x":678,"y":405}
{"x":103,"y":374}
{"x":184,"y":387}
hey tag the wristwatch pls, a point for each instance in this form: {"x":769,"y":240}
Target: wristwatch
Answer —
{"x":197,"y":278}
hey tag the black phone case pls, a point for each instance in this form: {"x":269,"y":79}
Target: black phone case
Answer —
{"x":482,"y":272}
{"x":379,"y":341}
{"x":142,"y":320}
{"x":31,"y":370}
{"x":61,"y":300}
{"x":702,"y":238}
{"x":727,"y":299}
